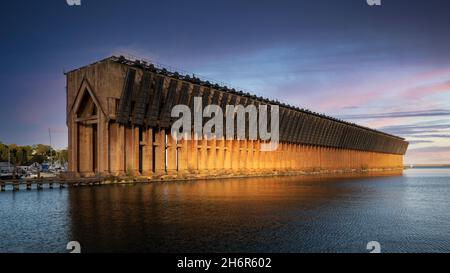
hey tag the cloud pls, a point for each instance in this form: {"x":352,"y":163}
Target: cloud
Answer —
{"x":415,"y":129}
{"x":433,"y":149}
{"x":428,"y":90}
{"x":424,"y":113}
{"x":434,"y":136}
{"x":426,"y":155}
{"x":414,"y":142}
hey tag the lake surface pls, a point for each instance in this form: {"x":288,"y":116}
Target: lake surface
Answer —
{"x":404,"y":213}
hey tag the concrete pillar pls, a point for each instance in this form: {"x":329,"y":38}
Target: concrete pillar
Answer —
{"x":279,"y":157}
{"x":147,"y":152}
{"x":257,"y":156}
{"x":242,"y":155}
{"x":183,"y":153}
{"x":193,"y":155}
{"x":211,"y":155}
{"x":102,"y":146}
{"x":132,"y":150}
{"x":265,"y":158}
{"x":235,"y":155}
{"x":268,"y":157}
{"x":159,"y":149}
{"x":291,"y":154}
{"x":117,"y":149}
{"x":202,"y":156}
{"x":220,"y":151}
{"x":85,"y":149}
{"x":73,"y":148}
{"x":228,"y":155}
{"x":250,"y":160}
{"x":295,"y":157}
{"x":171,"y":154}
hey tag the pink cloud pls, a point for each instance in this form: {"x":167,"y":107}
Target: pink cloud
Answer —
{"x":384,"y":122}
{"x":429,"y":155}
{"x":407,"y":90}
{"x":427,"y":90}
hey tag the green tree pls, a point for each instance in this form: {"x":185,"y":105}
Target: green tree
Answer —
{"x":43,"y":150}
{"x":26,"y":155}
{"x":61,"y":156}
{"x":3,"y":152}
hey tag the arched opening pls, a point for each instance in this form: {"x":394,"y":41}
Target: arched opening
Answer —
{"x":87,"y":107}
{"x":87,"y":124}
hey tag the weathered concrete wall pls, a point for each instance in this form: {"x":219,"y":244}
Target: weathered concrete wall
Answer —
{"x":126,"y":132}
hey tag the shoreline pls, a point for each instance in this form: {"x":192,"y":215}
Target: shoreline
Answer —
{"x":64,"y":181}
{"x":202,"y":177}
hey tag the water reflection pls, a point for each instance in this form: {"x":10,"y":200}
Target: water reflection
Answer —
{"x":405,"y":213}
{"x":258,"y":214}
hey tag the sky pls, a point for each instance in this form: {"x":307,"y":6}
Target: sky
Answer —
{"x":386,"y":67}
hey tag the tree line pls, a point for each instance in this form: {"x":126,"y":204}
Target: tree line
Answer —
{"x":27,"y":155}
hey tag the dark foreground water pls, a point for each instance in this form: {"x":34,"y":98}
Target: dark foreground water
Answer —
{"x":409,"y":213}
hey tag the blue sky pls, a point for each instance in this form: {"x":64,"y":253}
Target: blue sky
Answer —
{"x":386,"y":67}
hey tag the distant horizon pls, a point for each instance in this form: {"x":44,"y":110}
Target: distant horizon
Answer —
{"x":430,"y":165}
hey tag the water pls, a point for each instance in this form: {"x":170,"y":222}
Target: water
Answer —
{"x":406,"y":213}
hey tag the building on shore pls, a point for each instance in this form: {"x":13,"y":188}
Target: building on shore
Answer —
{"x":119,"y":122}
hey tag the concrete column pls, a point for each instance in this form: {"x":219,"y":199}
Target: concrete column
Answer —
{"x":235,"y":155}
{"x":171,"y":155}
{"x":193,"y":155}
{"x":267,"y":159}
{"x":243,"y":155}
{"x":147,"y":152}
{"x":257,"y":156}
{"x":228,"y":155}
{"x":120,"y":149}
{"x":268,"y":156}
{"x":183,"y":153}
{"x":278,"y":157}
{"x":284,"y":157}
{"x":295,"y":157}
{"x":291,"y":154}
{"x":211,"y":155}
{"x":220,"y":151}
{"x":159,"y":150}
{"x":250,"y":160}
{"x":132,"y":150}
{"x":72,"y":149}
{"x":202,"y":156}
{"x":310,"y":158}
{"x":102,"y":146}
{"x":117,"y":151}
{"x":85,"y":150}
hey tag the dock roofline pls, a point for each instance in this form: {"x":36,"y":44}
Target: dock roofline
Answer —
{"x":140,"y":63}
